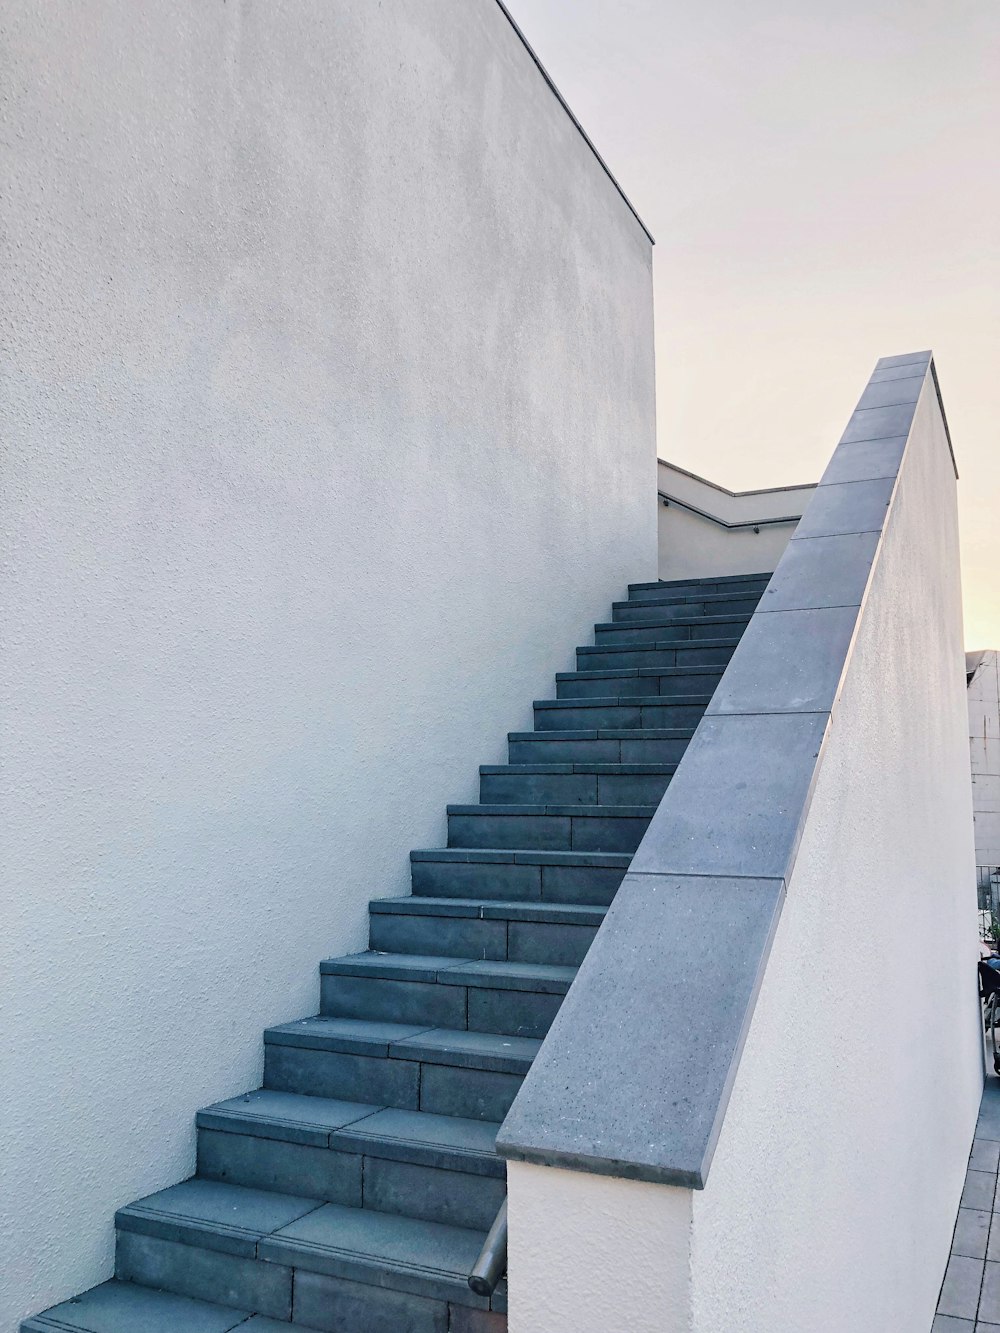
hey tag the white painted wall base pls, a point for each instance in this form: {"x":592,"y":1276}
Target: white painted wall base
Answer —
{"x":590,"y":1254}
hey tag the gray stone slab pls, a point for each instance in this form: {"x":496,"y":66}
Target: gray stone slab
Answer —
{"x":470,"y":1050}
{"x":844,"y":507}
{"x":463,"y":936}
{"x":226,"y":1217}
{"x":989,"y":1300}
{"x":548,"y":942}
{"x":333,"y":1074}
{"x":423,"y":1003}
{"x":960,"y":1291}
{"x":872,"y":460}
{"x":283,"y":1115}
{"x":464,"y":1320}
{"x":448,"y":1142}
{"x":980,"y":1187}
{"x":350,"y":1035}
{"x":903,"y":391}
{"x":912,"y":370}
{"x":879,"y":423}
{"x":985,"y":1155}
{"x":788,"y":662}
{"x":341,"y":1306}
{"x":123,"y":1307}
{"x":740,"y":806}
{"x":478,"y":1094}
{"x":543,"y":978}
{"x":972,"y":1230}
{"x":190,"y":1270}
{"x":944,"y":1323}
{"x":426,"y":1258}
{"x":519,"y":1013}
{"x":691,"y":948}
{"x":988,"y":1126}
{"x":817,"y":572}
{"x":271,"y":1164}
{"x":450,"y":1196}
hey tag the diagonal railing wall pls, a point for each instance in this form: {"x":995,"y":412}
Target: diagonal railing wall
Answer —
{"x":635,"y":1077}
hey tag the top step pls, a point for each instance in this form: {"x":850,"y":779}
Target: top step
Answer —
{"x":725,"y":580}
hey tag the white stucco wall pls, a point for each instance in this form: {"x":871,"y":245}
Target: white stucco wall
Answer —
{"x":588,"y":1254}
{"x":835,"y":1183}
{"x":691,"y":545}
{"x":984,"y":746}
{"x":330,"y":429}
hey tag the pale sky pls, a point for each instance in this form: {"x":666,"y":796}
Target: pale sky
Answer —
{"x":823,"y":182}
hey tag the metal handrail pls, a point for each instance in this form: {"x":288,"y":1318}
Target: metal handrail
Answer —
{"x":491,"y":1265}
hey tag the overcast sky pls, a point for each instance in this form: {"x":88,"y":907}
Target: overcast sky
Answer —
{"x":823,"y":182}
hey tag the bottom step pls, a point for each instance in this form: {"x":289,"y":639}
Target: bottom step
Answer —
{"x":122,"y":1307}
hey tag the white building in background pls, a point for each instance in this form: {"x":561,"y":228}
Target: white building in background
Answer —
{"x":983,"y":672}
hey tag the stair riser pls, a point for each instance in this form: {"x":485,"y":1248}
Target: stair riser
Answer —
{"x":549,"y":749}
{"x":618,"y":717}
{"x":709,"y":588}
{"x":319,"y":1301}
{"x":479,"y":1094}
{"x":572,"y":788}
{"x":629,"y":686}
{"x":668,"y":632}
{"x":611,"y":658}
{"x":453,"y":1197}
{"x":508,"y":882}
{"x":626,"y":612}
{"x":460,"y":937}
{"x":550,"y":833}
{"x":478,"y":1008}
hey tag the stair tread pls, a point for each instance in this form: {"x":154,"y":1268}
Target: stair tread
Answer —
{"x":605,"y":734}
{"x":453,"y":971}
{"x":619,"y":673}
{"x":525,"y":856}
{"x":738,"y":593}
{"x":576,"y":811}
{"x":356,"y":1126}
{"x":580,"y":766}
{"x":627,"y":701}
{"x":124,"y":1307}
{"x":708,"y":579}
{"x":424,"y":1042}
{"x":270,"y":1226}
{"x":490,"y":909}
{"x":603,"y":625}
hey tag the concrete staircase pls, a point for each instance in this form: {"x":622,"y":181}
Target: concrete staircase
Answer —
{"x":354,"y":1190}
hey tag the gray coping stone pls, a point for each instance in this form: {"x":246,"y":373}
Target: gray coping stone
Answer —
{"x":819,"y":572}
{"x":944,"y":1323}
{"x":737,"y":802}
{"x":123,"y":1307}
{"x":960,"y":1290}
{"x":988,"y":1126}
{"x":912,"y":370}
{"x":892,"y":393}
{"x":690,"y":948}
{"x":843,"y":507}
{"x":985,"y":1155}
{"x":644,"y":1097}
{"x":904,"y":359}
{"x":797,"y":661}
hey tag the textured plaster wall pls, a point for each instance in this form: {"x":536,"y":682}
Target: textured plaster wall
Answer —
{"x":329,"y":419}
{"x":984,"y":745}
{"x":834,"y":1187}
{"x":691,"y":546}
{"x":589,"y":1254}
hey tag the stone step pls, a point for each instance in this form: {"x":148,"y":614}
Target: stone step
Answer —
{"x":334,"y":1265}
{"x":518,"y":874}
{"x":613,"y":657}
{"x":515,"y":932}
{"x":569,"y":784}
{"x":438,"y":1168}
{"x":652,"y":712}
{"x":715,"y":583}
{"x":550,"y":828}
{"x":124,"y":1307}
{"x":665,"y":629}
{"x":626,"y":682}
{"x":674,"y":609}
{"x":488,"y":997}
{"x":605,"y":745}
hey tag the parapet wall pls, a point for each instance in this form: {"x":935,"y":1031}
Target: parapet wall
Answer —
{"x":743,"y":1032}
